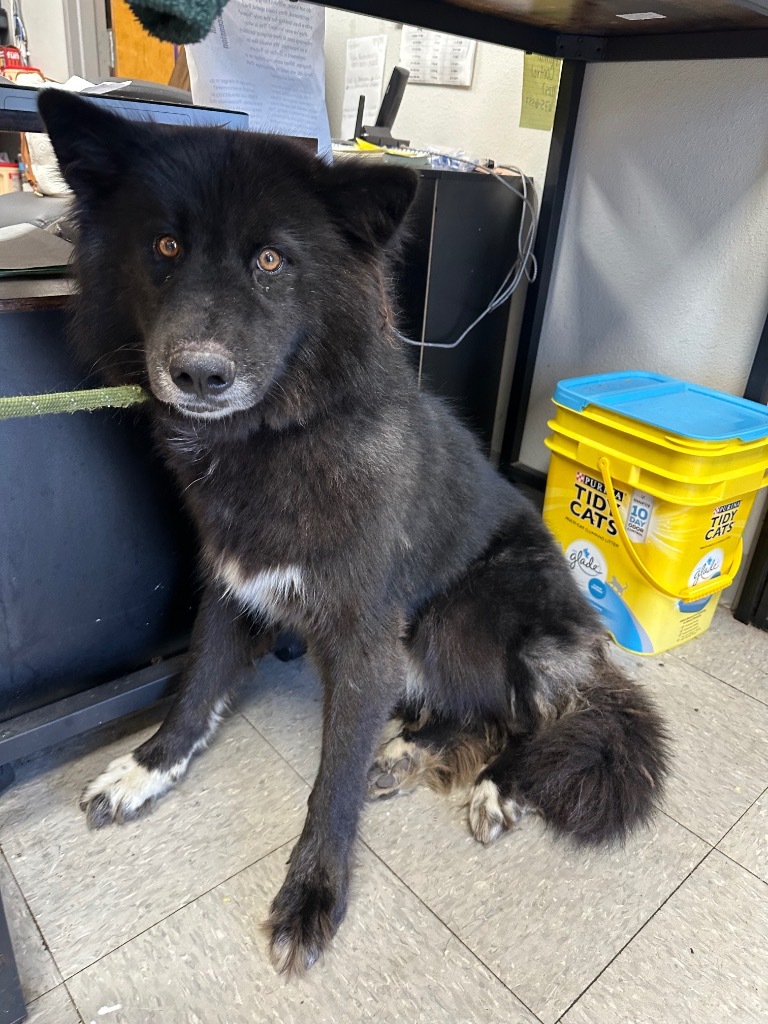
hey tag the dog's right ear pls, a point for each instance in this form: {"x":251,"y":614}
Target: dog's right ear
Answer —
{"x":91,"y":145}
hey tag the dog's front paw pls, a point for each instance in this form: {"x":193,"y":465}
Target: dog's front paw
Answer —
{"x":124,"y":792}
{"x":303,"y":920}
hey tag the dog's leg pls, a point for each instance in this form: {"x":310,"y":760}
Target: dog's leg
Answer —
{"x":442,"y":753}
{"x":361,"y":681}
{"x":222,"y":648}
{"x":595,"y":763}
{"x":398,"y":764}
{"x":496,"y":805}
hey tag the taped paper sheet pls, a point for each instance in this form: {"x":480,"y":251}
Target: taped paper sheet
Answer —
{"x":363,"y":76}
{"x":436,"y":58}
{"x":265,"y":57}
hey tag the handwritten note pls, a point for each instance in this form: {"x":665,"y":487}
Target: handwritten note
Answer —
{"x":541,"y":78}
{"x":435,"y":58}
{"x":266,"y":57}
{"x":363,"y":77}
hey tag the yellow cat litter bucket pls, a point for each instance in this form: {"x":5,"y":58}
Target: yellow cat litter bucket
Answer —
{"x":650,"y":485}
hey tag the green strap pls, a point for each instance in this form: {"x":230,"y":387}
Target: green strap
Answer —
{"x":71,"y":401}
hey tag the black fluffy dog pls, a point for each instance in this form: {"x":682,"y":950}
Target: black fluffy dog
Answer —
{"x":241,"y":280}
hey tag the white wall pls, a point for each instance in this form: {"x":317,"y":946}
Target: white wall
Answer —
{"x":663,"y":262}
{"x":47,"y":37}
{"x":482,"y":120}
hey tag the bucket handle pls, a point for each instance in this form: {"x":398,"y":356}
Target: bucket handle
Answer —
{"x":701,"y":590}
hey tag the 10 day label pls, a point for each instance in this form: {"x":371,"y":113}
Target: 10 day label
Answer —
{"x":639,"y":516}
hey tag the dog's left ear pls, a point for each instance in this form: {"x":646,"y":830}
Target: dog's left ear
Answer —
{"x":368,"y":201}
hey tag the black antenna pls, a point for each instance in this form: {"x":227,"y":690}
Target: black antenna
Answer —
{"x":358,"y":134}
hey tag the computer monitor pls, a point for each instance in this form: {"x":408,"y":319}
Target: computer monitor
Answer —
{"x":18,"y":110}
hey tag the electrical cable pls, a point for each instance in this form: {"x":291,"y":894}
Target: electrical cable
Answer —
{"x":21,"y":38}
{"x":523,"y":266}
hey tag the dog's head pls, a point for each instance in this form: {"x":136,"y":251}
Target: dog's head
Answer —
{"x":210,"y":261}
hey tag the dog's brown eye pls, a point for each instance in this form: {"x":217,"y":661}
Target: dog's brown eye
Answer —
{"x":168,"y":246}
{"x":269,"y":260}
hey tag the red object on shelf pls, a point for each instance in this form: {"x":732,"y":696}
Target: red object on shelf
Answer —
{"x":10,"y":57}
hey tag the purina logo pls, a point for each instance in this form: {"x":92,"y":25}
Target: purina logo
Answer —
{"x":597,"y":485}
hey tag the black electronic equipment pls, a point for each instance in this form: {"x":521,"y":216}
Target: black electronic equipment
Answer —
{"x":380,"y":134}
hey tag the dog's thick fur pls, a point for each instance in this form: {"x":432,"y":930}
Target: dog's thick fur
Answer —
{"x":334,"y":498}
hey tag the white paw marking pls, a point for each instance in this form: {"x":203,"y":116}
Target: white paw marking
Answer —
{"x":396,"y":749}
{"x":489,"y":815}
{"x":127,"y":786}
{"x":393,"y":728}
{"x":268,"y":592}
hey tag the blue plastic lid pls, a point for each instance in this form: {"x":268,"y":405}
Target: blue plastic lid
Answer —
{"x":688,"y":410}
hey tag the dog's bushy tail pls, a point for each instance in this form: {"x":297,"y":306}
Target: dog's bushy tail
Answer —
{"x":596,"y":772}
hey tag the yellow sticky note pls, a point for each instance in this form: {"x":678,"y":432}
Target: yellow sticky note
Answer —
{"x":541,"y":78}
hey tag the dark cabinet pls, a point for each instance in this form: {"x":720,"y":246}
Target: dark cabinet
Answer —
{"x":95,"y":577}
{"x":463,"y":241}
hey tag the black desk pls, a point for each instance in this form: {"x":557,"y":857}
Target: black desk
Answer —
{"x":590,"y":30}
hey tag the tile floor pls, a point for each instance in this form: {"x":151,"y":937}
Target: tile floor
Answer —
{"x":157,"y":922}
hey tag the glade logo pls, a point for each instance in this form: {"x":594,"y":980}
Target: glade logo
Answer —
{"x":589,"y":567}
{"x":707,"y":568}
{"x":585,"y":561}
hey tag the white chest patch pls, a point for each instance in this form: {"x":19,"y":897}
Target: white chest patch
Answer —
{"x":269,"y":592}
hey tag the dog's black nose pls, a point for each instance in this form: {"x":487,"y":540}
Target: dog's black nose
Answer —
{"x":202,"y":373}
